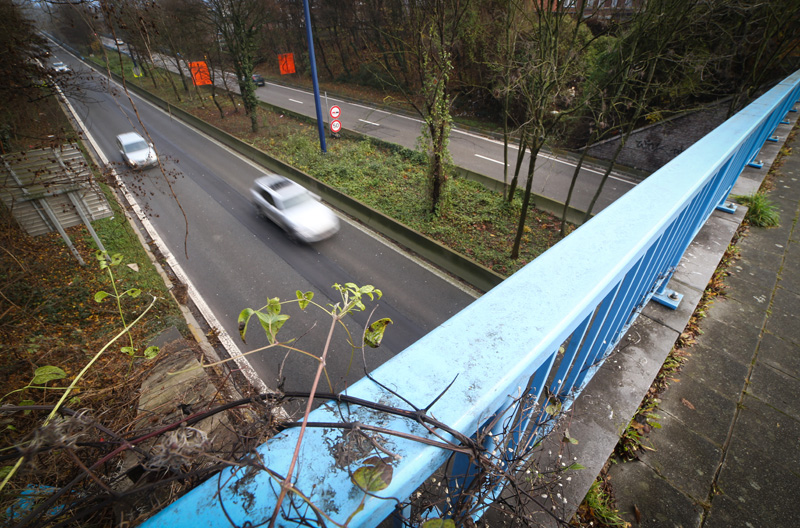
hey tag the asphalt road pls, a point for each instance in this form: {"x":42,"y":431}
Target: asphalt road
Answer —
{"x":237,"y":260}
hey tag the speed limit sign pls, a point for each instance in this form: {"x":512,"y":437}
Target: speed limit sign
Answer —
{"x":336,"y":126}
{"x":335,"y":112}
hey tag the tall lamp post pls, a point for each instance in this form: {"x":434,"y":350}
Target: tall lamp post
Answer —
{"x":320,"y":123}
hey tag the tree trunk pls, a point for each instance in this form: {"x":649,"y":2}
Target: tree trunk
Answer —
{"x":572,"y":183}
{"x":177,"y":60}
{"x":526,"y":200}
{"x":321,"y":49}
{"x":606,"y":174}
{"x":523,"y":144}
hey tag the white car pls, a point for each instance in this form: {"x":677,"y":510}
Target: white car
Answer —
{"x":137,"y":153}
{"x":60,"y":67}
{"x":294,"y":209}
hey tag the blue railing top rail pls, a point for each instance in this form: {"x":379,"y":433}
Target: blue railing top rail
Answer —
{"x":493,"y":347}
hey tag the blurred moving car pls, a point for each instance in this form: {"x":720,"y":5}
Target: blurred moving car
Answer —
{"x":60,"y":67}
{"x":137,"y":153}
{"x":293,"y":208}
{"x":258,"y":80}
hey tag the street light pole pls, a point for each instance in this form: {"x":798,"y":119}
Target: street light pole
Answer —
{"x":320,"y":123}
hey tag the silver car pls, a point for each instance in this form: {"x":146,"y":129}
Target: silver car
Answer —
{"x":293,"y":208}
{"x":137,"y":153}
{"x":60,"y":67}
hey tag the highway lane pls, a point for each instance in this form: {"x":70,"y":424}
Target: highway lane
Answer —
{"x":237,"y":260}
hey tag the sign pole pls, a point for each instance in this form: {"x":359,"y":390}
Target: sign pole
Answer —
{"x":320,"y":124}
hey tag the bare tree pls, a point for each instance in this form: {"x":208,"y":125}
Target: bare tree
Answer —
{"x":547,"y":60}
{"x":422,"y":48}
{"x":752,"y":42}
{"x":238,"y":23}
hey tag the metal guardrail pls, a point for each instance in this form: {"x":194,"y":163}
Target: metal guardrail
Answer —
{"x":548,"y":326}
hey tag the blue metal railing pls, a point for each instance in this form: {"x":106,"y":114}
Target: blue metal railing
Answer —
{"x":538,"y":337}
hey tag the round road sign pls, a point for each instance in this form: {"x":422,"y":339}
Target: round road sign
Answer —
{"x":336,"y":126}
{"x":335,"y":112}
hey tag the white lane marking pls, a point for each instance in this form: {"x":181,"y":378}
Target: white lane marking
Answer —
{"x":304,"y":92}
{"x":414,"y":119}
{"x":545,"y":156}
{"x":296,"y":101}
{"x":368,"y":122}
{"x":370,"y":109}
{"x":466,"y":288}
{"x":489,"y":159}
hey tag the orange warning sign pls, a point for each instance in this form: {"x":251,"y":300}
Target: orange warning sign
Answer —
{"x":200,"y":76}
{"x":286,"y":61}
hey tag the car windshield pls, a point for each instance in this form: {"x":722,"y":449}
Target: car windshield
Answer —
{"x":58,"y":64}
{"x":298,"y":199}
{"x":136,"y":145}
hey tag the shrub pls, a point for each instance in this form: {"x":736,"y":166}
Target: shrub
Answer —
{"x":761,"y":211}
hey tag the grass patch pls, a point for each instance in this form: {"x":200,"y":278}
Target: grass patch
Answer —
{"x":598,"y":509}
{"x":761,"y":212}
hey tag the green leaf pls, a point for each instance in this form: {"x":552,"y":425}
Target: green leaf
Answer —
{"x":553,"y":407}
{"x":26,"y":403}
{"x":274,"y":306}
{"x":5,"y":470}
{"x":101,"y":258}
{"x":244,"y":319}
{"x":271,"y":323}
{"x":374,"y":475}
{"x":367,"y":290}
{"x":128,"y":350}
{"x":575,"y":466}
{"x":10,"y":428}
{"x":304,"y":298}
{"x":47,"y":373}
{"x":75,"y":400}
{"x":134,"y":292}
{"x":569,"y":439}
{"x":374,"y":334}
{"x":116,"y":258}
{"x":439,"y":523}
{"x":151,"y":352}
{"x":99,"y":296}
